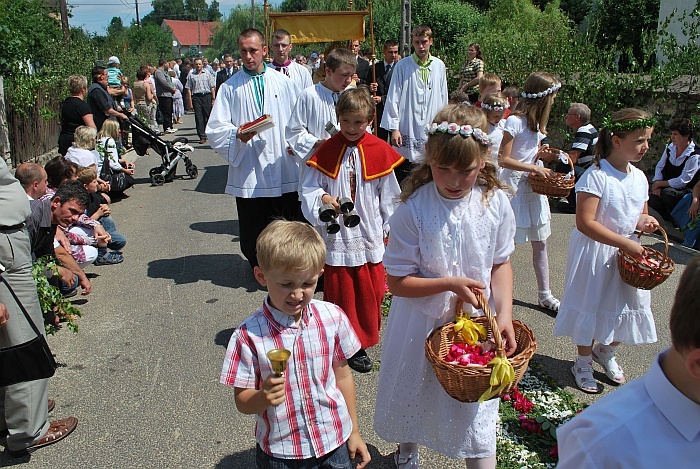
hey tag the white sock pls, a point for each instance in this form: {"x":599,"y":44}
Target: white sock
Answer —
{"x":584,"y":360}
{"x":605,"y":350}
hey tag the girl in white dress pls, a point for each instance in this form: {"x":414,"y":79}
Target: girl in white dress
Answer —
{"x":611,"y":200}
{"x":452,"y":232}
{"x":524,"y":130}
{"x":495,"y":105}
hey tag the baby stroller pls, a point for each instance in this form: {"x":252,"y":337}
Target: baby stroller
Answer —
{"x":171,"y":152}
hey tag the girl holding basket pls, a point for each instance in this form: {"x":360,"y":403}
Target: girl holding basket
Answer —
{"x":520,"y":146}
{"x":611,"y":199}
{"x":452,"y":232}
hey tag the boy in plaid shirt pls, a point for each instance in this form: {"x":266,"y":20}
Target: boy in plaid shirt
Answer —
{"x":317,"y":425}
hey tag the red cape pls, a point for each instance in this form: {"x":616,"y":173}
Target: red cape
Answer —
{"x":378,"y":158}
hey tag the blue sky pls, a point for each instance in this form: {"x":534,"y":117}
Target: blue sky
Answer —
{"x":95,"y":15}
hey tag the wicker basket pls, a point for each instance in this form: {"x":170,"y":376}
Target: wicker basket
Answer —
{"x":640,"y":275}
{"x":468,"y":383}
{"x":557,"y":186}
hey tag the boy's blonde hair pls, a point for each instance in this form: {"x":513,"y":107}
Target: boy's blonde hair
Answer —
{"x":537,"y":110}
{"x":86,"y":174}
{"x":685,"y":312}
{"x":356,"y":100}
{"x":489,"y":79}
{"x":454,"y":150}
{"x":84,"y":137}
{"x":110,"y":128}
{"x":290,"y":246}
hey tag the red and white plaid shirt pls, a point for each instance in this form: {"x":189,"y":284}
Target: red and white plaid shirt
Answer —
{"x":313,"y":420}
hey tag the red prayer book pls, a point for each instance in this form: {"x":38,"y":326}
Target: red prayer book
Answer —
{"x":263,"y":122}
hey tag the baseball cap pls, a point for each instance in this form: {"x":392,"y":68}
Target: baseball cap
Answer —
{"x":113,"y":60}
{"x":314,"y":55}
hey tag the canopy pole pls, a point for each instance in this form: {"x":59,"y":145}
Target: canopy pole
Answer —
{"x":266,"y":20}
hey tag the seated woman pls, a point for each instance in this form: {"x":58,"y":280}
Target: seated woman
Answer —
{"x":677,"y":171}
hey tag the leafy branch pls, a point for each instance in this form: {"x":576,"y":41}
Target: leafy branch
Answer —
{"x":54,"y":305}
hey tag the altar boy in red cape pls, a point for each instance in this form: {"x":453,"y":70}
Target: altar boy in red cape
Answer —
{"x":357,"y":165}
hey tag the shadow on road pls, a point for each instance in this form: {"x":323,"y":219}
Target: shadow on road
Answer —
{"x":228,"y":227}
{"x":548,"y":312}
{"x":226,"y":270}
{"x":212,"y":180}
{"x":222,"y":337}
{"x":246,"y":459}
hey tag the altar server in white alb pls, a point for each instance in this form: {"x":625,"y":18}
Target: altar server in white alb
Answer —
{"x":281,"y":47}
{"x":261,"y":175}
{"x":315,"y":108}
{"x":418,"y":90}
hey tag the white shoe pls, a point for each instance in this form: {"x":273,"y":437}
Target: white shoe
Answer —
{"x":171,"y":130}
{"x":612,"y":369}
{"x":406,"y":461}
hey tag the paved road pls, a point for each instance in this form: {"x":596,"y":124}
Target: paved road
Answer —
{"x":142,"y":373}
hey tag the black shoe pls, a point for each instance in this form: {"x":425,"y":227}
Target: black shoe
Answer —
{"x":360,"y":362}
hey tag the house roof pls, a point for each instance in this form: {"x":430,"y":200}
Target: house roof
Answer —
{"x":186,"y":31}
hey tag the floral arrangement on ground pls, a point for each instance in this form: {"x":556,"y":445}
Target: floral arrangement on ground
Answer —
{"x":529,"y":417}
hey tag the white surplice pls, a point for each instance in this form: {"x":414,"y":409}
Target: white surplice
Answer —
{"x":412,"y":104}
{"x":375,"y":201}
{"x":312,"y":111}
{"x":298,"y":73}
{"x":260,"y":167}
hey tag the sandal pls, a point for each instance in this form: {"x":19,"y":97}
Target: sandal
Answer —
{"x":109,"y":259}
{"x":584,"y":378}
{"x":405,"y":460}
{"x":547,"y":301}
{"x":612,"y":370}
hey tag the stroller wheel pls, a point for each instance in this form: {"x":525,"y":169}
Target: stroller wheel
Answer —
{"x":192,"y":172}
{"x":154,"y":171}
{"x":158,"y":179}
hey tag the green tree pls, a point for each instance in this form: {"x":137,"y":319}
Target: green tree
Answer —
{"x":196,"y":9}
{"x":116,"y":26}
{"x":628,"y":28}
{"x":213,"y":13}
{"x":294,"y":5}
{"x":165,"y":10}
{"x":225,"y":40}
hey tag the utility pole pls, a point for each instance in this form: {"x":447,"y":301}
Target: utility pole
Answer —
{"x":138,"y":22}
{"x":405,"y":46}
{"x":64,"y":19}
{"x":252,"y":13}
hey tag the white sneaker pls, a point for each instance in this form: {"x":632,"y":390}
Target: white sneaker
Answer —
{"x":406,"y":461}
{"x":171,"y":130}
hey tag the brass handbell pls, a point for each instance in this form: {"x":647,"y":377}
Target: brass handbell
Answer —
{"x":278,"y":357}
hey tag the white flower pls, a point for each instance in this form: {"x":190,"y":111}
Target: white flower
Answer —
{"x":466,"y":130}
{"x":442,"y":127}
{"x":452,"y":128}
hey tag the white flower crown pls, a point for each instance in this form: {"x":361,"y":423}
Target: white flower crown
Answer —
{"x":465,"y":131}
{"x":542,"y":94}
{"x":495,"y":107}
